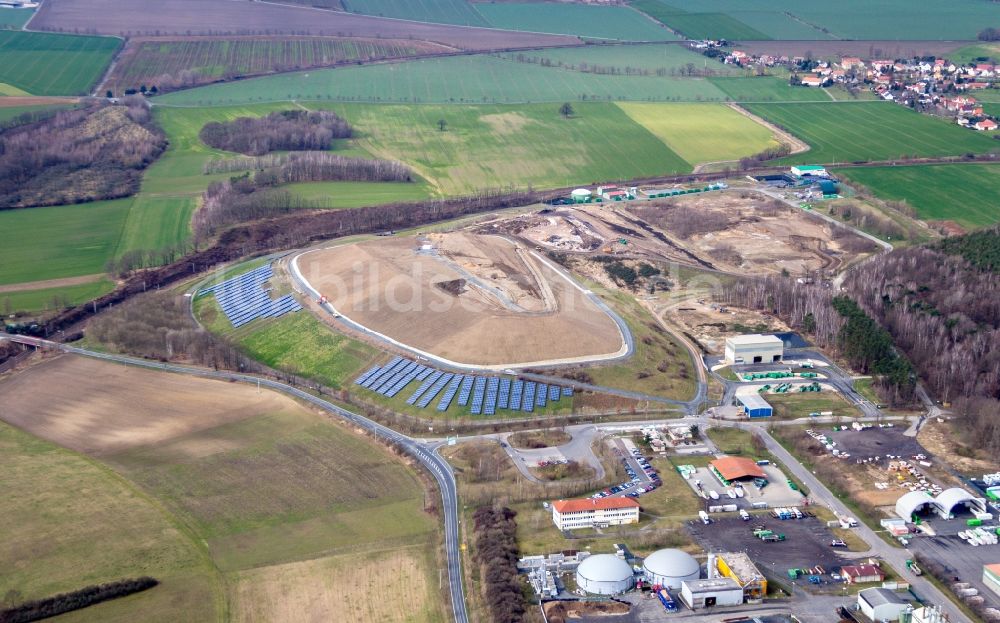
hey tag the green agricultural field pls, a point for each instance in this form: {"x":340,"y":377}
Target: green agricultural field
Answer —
{"x":60,"y":241}
{"x":489,"y":146}
{"x":767,"y":89}
{"x":862,"y":131}
{"x":594,"y":22}
{"x":51,"y":64}
{"x":147,"y":62}
{"x":663,"y":60}
{"x":699,"y":25}
{"x":857,"y":19}
{"x":14,"y":19}
{"x":975,"y":53}
{"x":964,"y":193}
{"x":359,"y":194}
{"x":11,"y":113}
{"x":702,"y":132}
{"x":485,"y":79}
{"x":436,"y":11}
{"x":83,"y":524}
{"x":52,"y":299}
{"x":156,"y":222}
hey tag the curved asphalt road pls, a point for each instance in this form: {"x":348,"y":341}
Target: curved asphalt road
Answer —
{"x":426,"y":454}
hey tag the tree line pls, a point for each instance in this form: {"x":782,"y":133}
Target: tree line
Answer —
{"x":67,"y":602}
{"x":496,"y":554}
{"x":248,"y":197}
{"x":284,"y":130}
{"x":87,"y":154}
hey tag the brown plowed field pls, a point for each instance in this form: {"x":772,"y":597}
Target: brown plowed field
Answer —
{"x":470,"y":299}
{"x":99,"y":407}
{"x":229,"y":17}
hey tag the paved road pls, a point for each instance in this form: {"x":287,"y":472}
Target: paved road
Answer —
{"x":426,"y":453}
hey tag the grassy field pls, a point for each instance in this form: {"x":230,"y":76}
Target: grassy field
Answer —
{"x":699,"y":25}
{"x":69,"y":521}
{"x":51,"y":64}
{"x":846,"y":132}
{"x":438,"y":11}
{"x":485,"y":79}
{"x":156,"y":222}
{"x":281,"y":499}
{"x":855,"y":19}
{"x":14,"y":19}
{"x":702,"y":132}
{"x":595,"y":22}
{"x":10,"y":113}
{"x":964,"y":193}
{"x":298,"y":342}
{"x":146,"y":62}
{"x":51,"y":299}
{"x":60,"y":241}
{"x":767,"y":89}
{"x":799,"y":405}
{"x":642,"y":372}
{"x":358,"y":194}
{"x":490,"y":146}
{"x":664,"y":60}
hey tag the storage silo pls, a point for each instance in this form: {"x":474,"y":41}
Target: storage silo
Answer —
{"x":581,"y":195}
{"x":670,"y":567}
{"x":605,"y":574}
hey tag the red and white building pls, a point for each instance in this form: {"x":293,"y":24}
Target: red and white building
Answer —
{"x":862,"y":574}
{"x":590,"y":512}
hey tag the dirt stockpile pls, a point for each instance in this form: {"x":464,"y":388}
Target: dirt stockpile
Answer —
{"x":218,"y":17}
{"x":511,"y":307}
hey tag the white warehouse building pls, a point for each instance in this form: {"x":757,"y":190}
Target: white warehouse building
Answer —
{"x":605,"y":574}
{"x":754,"y":348}
{"x":670,"y":567}
{"x":714,"y":592}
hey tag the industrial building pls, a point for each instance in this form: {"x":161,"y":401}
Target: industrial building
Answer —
{"x":991,"y":577}
{"x":605,"y":574}
{"x":754,"y":406}
{"x":582,"y":195}
{"x":881,"y":604}
{"x":590,"y":512}
{"x":809,"y":170}
{"x":731,"y":468}
{"x":738,"y":567}
{"x":670,"y":567}
{"x":862,"y":574}
{"x":754,"y":348}
{"x":713,"y":592}
{"x":945,"y":504}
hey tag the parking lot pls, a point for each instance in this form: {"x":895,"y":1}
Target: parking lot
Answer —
{"x":777,"y":493}
{"x":806,"y":545}
{"x":875,"y":441}
{"x":960,"y":559}
{"x":642,"y":476}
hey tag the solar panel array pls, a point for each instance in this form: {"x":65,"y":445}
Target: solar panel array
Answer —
{"x":244,"y":299}
{"x":484,"y":395}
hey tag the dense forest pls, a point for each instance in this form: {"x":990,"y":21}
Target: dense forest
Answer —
{"x":285,"y":130}
{"x":87,"y":154}
{"x":496,"y":554}
{"x":257,"y":195}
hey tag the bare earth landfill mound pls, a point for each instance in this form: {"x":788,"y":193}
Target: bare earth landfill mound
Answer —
{"x":467,"y":298}
{"x":215,"y":17}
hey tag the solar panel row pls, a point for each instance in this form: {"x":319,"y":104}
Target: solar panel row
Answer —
{"x":483,"y":394}
{"x":434,"y":390}
{"x":449,"y":393}
{"x":243,"y":298}
{"x":465,"y":390}
{"x":478,"y":393}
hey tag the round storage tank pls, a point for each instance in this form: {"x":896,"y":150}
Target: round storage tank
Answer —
{"x":605,"y":574}
{"x":670,"y":567}
{"x":581,"y":195}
